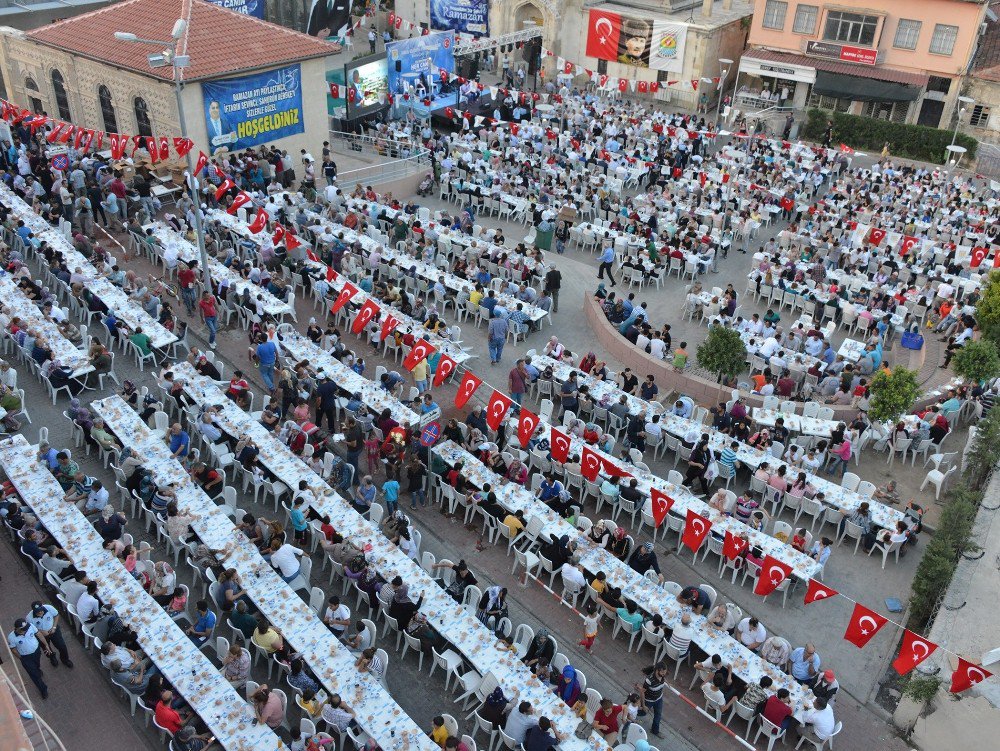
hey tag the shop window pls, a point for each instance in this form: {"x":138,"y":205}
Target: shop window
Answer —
{"x":894,"y":112}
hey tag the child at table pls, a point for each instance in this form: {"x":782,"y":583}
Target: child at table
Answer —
{"x":178,"y":603}
{"x":799,"y":539}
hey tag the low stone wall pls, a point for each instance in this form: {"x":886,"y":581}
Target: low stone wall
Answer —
{"x":702,"y":390}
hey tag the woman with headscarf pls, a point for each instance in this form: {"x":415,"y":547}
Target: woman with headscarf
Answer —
{"x":619,"y":545}
{"x":588,"y":362}
{"x":599,"y":534}
{"x":540,"y":652}
{"x":81,"y":416}
{"x":568,"y":686}
{"x":517,"y":472}
{"x":644,"y":559}
{"x":492,"y":605}
{"x":111,"y":523}
{"x":402,"y":608}
{"x":559,"y":551}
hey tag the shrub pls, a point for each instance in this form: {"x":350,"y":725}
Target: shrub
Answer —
{"x":892,"y":395}
{"x":977,"y":361}
{"x":988,"y":308}
{"x":921,"y":688}
{"x":908,"y":141}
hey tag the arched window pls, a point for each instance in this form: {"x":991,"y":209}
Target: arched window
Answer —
{"x":33,"y":95}
{"x":62,"y":98}
{"x":107,"y":110}
{"x":142,"y":123}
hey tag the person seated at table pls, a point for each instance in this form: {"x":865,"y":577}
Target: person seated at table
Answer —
{"x":540,"y":652}
{"x":268,"y":638}
{"x":695,"y":598}
{"x":208,"y":479}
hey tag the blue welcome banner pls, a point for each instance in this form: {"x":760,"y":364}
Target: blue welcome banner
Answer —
{"x":465,"y":16}
{"x":253,"y":8}
{"x":250,"y":110}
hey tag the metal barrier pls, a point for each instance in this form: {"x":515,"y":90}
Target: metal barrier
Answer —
{"x":403,"y":158}
{"x":385,"y":172}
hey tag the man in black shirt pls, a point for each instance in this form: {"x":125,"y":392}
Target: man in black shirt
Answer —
{"x":651,"y":693}
{"x":553,"y":280}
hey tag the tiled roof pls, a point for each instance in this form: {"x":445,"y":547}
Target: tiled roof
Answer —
{"x":878,"y":72}
{"x":220,"y":42}
{"x":986,"y":63}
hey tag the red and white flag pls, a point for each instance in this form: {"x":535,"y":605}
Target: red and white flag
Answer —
{"x":865,"y":623}
{"x":734,"y":545}
{"x":695,"y":530}
{"x":118,"y":143}
{"x":201,"y":163}
{"x":164,"y":148}
{"x":876,"y":235}
{"x":967,"y":675}
{"x":694,"y":84}
{"x":590,"y":464}
{"x":183,"y":146}
{"x":368,"y":311}
{"x":772,"y":573}
{"x":388,"y":325}
{"x":908,"y":243}
{"x":527,"y":422}
{"x":603,"y":30}
{"x":445,"y":367}
{"x":818,"y":591}
{"x":497,"y":408}
{"x":470,"y":382}
{"x":291,"y":241}
{"x":559,"y":445}
{"x":846,"y":149}
{"x":346,"y":293}
{"x":241,"y":200}
{"x":661,"y":503}
{"x":977,"y":257}
{"x":224,"y":187}
{"x":259,"y":221}
{"x":914,"y":650}
{"x":421,"y":350}
{"x":331,"y":275}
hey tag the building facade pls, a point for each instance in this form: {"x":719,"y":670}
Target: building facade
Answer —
{"x":893,"y":60}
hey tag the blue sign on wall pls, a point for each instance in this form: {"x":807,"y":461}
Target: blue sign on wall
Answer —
{"x":250,"y":110}
{"x":253,"y":8}
{"x":466,"y":16}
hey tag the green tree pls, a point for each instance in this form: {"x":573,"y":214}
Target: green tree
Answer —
{"x":988,"y":308}
{"x":892,"y":395}
{"x":722,"y":352}
{"x":984,"y":453}
{"x":977,"y":361}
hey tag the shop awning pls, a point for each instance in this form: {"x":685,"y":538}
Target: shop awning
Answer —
{"x":860,"y":89}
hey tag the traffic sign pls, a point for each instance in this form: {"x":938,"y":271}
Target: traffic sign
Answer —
{"x":430,"y":434}
{"x":60,"y":162}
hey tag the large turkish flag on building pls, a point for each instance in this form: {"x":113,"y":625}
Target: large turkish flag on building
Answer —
{"x":603,"y":31}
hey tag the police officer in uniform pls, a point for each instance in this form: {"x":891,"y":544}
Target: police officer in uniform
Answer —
{"x":27,"y":642}
{"x":45,"y":618}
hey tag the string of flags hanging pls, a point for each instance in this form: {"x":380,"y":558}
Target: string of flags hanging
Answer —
{"x":83,"y":139}
{"x":864,"y":623}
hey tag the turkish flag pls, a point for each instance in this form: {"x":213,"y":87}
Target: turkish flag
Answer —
{"x":259,"y":221}
{"x":622,"y":84}
{"x":241,"y":200}
{"x":164,"y":148}
{"x":291,"y":241}
{"x":661,"y":505}
{"x":909,"y":241}
{"x":391,"y":19}
{"x":151,"y":148}
{"x":526,"y":424}
{"x":183,"y":146}
{"x":996,"y":260}
{"x":611,"y":469}
{"x":733,"y":545}
{"x":445,"y":367}
{"x":422,"y":349}
{"x":568,"y":68}
{"x":311,"y":255}
{"x":702,"y":178}
{"x":846,"y":149}
{"x":388,"y":325}
{"x":876,"y":236}
{"x":497,"y":408}
{"x":787,"y":203}
{"x":224,"y":187}
{"x":53,"y":135}
{"x":643,"y":87}
{"x":368,"y":311}
{"x":331,"y":274}
{"x":470,"y":382}
{"x":117,"y":145}
{"x":977,"y":257}
{"x":559,"y":444}
{"x":772,"y":573}
{"x":694,"y":84}
{"x":514,"y":128}
{"x":967,"y":675}
{"x":654,"y":86}
{"x":335,"y":90}
{"x":603,"y":80}
{"x":346,"y":293}
{"x":695,"y":530}
{"x":590,"y":464}
{"x":818,"y":591}
{"x":201,"y":163}
{"x":864,"y":624}
{"x":914,"y":650}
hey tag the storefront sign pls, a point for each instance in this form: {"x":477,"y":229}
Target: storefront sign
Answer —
{"x":786,"y":71}
{"x":847,"y":53}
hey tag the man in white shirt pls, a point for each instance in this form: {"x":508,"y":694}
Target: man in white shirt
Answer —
{"x":519,"y":721}
{"x":818,"y":722}
{"x":88,"y":607}
{"x":285,"y":560}
{"x":573,"y":579}
{"x":769,"y":347}
{"x":97,"y":499}
{"x":657,"y":348}
{"x":751,"y":633}
{"x":337,"y":616}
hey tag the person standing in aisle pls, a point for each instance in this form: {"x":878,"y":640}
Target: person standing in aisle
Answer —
{"x":607,"y":262}
{"x":27,"y":642}
{"x":45,"y":619}
{"x":553,"y":281}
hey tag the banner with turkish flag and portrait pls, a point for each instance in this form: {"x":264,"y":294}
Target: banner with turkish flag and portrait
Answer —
{"x":639,"y":42}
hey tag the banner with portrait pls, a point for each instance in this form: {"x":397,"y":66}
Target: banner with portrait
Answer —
{"x":253,"y":8}
{"x":640,"y":42}
{"x":329,"y":19}
{"x":250,"y":110}
{"x":465,"y":16}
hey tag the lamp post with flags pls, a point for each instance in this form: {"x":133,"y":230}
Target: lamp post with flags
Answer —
{"x":724,"y":65}
{"x":177,"y":62}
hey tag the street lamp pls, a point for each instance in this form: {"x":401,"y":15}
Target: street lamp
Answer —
{"x":961,"y":104}
{"x":724,"y":63}
{"x":177,"y":62}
